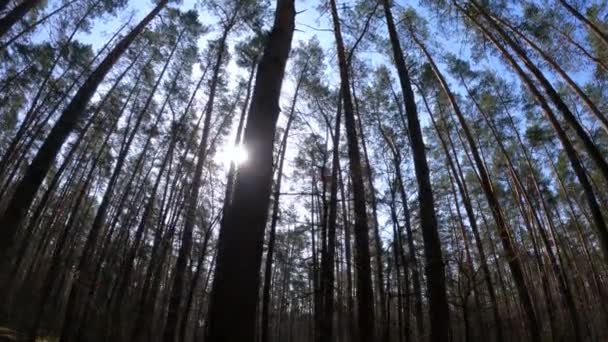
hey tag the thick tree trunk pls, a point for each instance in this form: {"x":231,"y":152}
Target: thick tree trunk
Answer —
{"x":232,"y":312}
{"x":16,"y":14}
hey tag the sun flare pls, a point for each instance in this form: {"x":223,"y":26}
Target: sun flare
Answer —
{"x":233,"y":154}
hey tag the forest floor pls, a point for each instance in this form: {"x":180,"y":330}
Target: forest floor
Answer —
{"x":9,"y":335}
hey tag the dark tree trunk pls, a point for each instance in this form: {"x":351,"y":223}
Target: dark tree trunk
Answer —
{"x":575,"y":162}
{"x":16,"y":14}
{"x":232,"y":312}
{"x":603,"y":36}
{"x":21,"y":201}
{"x":171,"y":325}
{"x":365,"y":293}
{"x":435,"y":270}
{"x":275,"y":218}
{"x":589,"y":146}
{"x":327,"y":262}
{"x":464,"y":194}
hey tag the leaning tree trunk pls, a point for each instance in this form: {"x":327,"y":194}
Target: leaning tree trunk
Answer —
{"x":513,"y":260}
{"x":435,"y":270}
{"x":176,"y":289}
{"x":603,"y":36}
{"x":466,"y":200}
{"x":16,"y":14}
{"x":592,"y":107}
{"x":561,"y":277}
{"x":589,"y":146}
{"x":26,"y":190}
{"x":575,"y":162}
{"x":234,"y":298}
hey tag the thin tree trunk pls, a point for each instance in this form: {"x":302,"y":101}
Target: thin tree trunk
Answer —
{"x":435,"y":270}
{"x":176,"y":289}
{"x":365,"y":294}
{"x":603,"y":36}
{"x":275,"y":217}
{"x":327,"y":262}
{"x":573,"y":157}
{"x":513,"y":259}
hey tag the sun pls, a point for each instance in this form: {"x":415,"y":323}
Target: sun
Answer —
{"x":233,"y":154}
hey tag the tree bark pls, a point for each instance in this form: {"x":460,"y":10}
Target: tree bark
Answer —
{"x":513,"y":259}
{"x":365,"y":294}
{"x":26,"y":190}
{"x":435,"y":269}
{"x":16,"y":14}
{"x":232,"y":312}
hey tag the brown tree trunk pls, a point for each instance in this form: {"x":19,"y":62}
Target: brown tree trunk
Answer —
{"x":513,"y":259}
{"x":592,"y":150}
{"x":365,"y":294}
{"x":464,"y":194}
{"x":573,"y":157}
{"x":603,"y":36}
{"x":561,"y":278}
{"x":171,"y":325}
{"x":327,"y":261}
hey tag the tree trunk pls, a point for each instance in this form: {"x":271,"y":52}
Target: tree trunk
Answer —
{"x":603,"y":36}
{"x":573,"y":157}
{"x":464,"y":194}
{"x":592,"y":150}
{"x":171,"y":325}
{"x":435,"y":271}
{"x":232,"y":312}
{"x":275,"y":217}
{"x":365,"y":294}
{"x":327,"y":262}
{"x":26,"y":190}
{"x":16,"y":14}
